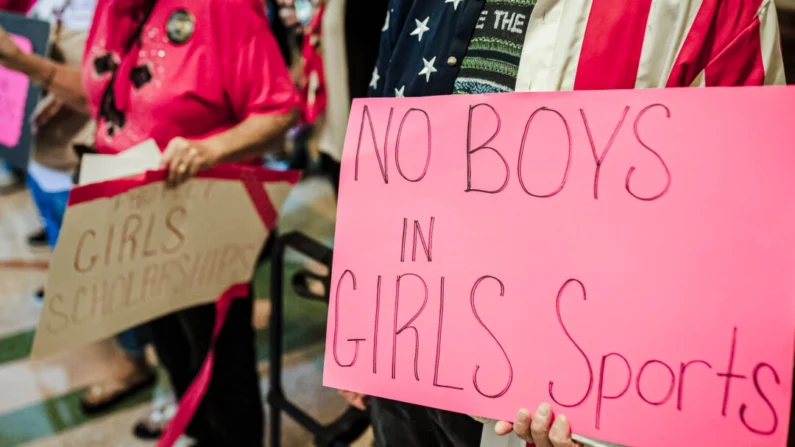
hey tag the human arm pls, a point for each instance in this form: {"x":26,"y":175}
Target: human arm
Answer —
{"x":64,"y":82}
{"x":184,"y":158}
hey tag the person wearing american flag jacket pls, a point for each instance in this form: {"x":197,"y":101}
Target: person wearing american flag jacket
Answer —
{"x":443,"y":47}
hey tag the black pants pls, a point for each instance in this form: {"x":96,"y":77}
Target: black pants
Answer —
{"x":231,"y":413}
{"x":397,"y":424}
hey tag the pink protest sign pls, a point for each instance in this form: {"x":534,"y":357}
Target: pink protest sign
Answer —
{"x":13,"y":95}
{"x":626,"y":256}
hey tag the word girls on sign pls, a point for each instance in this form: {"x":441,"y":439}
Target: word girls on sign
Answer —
{"x":625,"y":256}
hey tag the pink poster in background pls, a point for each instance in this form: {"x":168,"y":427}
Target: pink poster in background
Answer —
{"x":627,"y":256}
{"x":13,"y":97}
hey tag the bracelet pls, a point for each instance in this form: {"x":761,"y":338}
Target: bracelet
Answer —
{"x":50,"y":77}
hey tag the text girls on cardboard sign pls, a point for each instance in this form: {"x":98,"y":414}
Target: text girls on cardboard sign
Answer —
{"x":625,"y":256}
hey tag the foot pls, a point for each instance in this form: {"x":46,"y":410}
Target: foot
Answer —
{"x":152,"y":426}
{"x":38,"y":239}
{"x":111,"y":392}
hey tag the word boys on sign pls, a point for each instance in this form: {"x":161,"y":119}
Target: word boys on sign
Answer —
{"x":626,"y":256}
{"x":134,"y":249}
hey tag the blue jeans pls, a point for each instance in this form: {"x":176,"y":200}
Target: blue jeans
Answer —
{"x":52,"y":207}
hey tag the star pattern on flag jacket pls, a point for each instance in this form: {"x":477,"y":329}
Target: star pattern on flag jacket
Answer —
{"x":588,"y":45}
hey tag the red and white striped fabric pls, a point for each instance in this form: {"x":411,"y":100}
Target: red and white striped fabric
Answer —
{"x":584,"y":44}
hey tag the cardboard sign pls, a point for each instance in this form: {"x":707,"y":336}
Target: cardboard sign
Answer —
{"x":101,"y":167}
{"x":626,"y":256}
{"x":131,"y":250}
{"x":18,"y":96}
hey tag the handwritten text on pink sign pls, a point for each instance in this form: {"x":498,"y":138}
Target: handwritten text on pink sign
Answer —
{"x":626,"y":256}
{"x":13,"y":95}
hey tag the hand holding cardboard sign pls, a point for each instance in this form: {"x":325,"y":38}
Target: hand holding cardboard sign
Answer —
{"x":184,"y":158}
{"x":9,"y":51}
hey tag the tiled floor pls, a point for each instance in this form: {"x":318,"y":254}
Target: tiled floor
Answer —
{"x":38,"y":400}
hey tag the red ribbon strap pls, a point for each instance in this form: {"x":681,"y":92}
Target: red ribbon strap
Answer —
{"x":198,"y":388}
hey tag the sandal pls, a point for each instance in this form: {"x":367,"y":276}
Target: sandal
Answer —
{"x":105,"y":395}
{"x":152,"y":427}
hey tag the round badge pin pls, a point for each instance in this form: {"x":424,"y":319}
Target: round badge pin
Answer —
{"x":180,"y":26}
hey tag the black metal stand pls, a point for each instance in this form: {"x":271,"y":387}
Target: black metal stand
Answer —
{"x":348,"y":427}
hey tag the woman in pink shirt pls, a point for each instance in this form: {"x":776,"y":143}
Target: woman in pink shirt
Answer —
{"x":205,"y":80}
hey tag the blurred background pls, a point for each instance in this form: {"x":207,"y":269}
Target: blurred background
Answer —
{"x":40,"y":401}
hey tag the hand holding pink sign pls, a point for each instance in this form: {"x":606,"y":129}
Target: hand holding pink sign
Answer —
{"x":13,"y":96}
